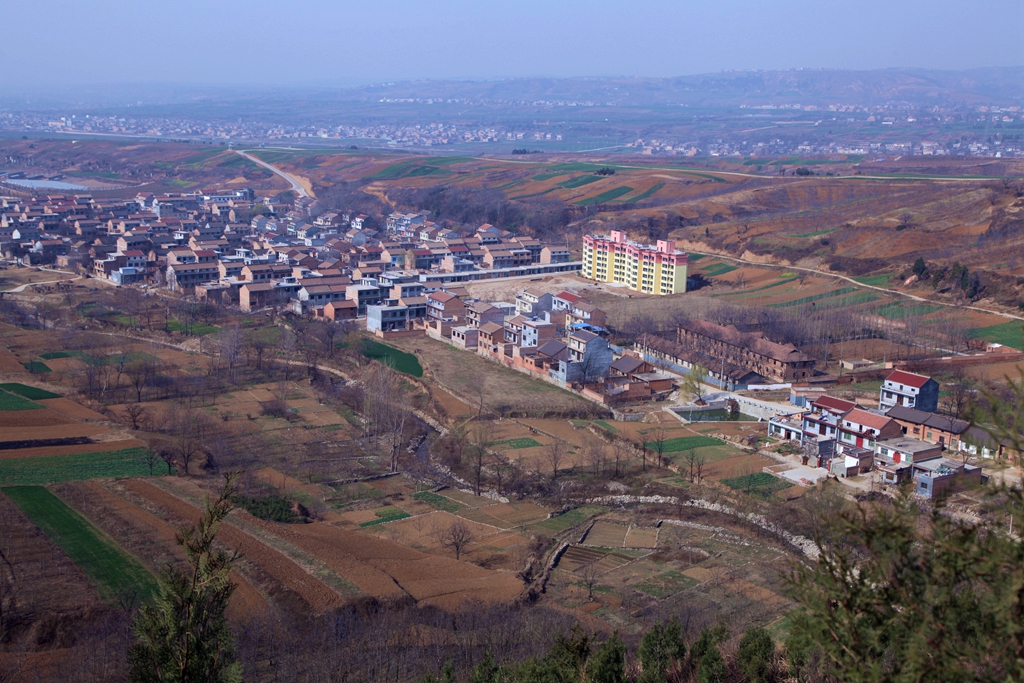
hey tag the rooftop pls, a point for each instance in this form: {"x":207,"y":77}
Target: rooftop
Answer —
{"x":908,"y":378}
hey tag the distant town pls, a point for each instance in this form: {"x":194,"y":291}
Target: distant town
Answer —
{"x":754,"y":131}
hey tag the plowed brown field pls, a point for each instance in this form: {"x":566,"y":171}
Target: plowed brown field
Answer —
{"x":67,"y":407}
{"x":245,"y":601}
{"x":34,"y":418}
{"x":10,"y":363}
{"x":283,"y":483}
{"x":10,"y":433}
{"x":316,"y":594}
{"x":383,"y":568}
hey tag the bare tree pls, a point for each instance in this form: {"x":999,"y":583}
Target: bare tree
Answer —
{"x":500,"y":465}
{"x":136,"y":414}
{"x":483,"y":434}
{"x":658,"y":436}
{"x":595,"y":452}
{"x":957,"y":332}
{"x":456,"y":537}
{"x":696,"y":461}
{"x":258,"y":343}
{"x":555,"y":453}
{"x":152,"y":457}
{"x":589,"y":572}
{"x":386,"y":409}
{"x":690,"y":458}
{"x":189,"y":430}
{"x":140,"y":375}
{"x":618,"y":451}
{"x":230,"y":348}
{"x":958,"y":393}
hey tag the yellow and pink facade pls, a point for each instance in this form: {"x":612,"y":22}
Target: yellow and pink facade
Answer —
{"x":653,"y":269}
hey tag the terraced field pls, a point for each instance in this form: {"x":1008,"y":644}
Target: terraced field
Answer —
{"x":103,"y":561}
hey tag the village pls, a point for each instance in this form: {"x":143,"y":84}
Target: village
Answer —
{"x":403,"y":277}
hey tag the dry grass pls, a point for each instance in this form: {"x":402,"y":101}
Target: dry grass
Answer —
{"x":471,"y":378}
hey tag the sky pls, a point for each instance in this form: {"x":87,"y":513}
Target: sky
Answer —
{"x":345,"y":42}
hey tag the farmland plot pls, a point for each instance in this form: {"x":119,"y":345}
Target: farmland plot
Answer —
{"x":386,"y":569}
{"x":148,"y":537}
{"x":606,"y":534}
{"x":130,"y":462}
{"x":284,"y":570}
{"x":99,"y":557}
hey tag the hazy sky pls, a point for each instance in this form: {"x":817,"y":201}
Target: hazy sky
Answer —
{"x":335,"y":41}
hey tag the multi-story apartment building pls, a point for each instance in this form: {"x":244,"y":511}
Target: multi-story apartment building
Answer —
{"x":655,"y":269}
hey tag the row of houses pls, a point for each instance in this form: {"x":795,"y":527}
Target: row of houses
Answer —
{"x":901,"y":442}
{"x":733,"y":359}
{"x":558,"y":337}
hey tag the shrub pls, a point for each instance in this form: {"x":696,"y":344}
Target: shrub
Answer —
{"x":273,"y":508}
{"x":755,"y":654}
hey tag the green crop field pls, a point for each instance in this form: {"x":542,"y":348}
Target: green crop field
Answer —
{"x":197,"y":329}
{"x":645,"y":194}
{"x":719,"y":269}
{"x":816,"y":297}
{"x":523,"y":442}
{"x":896,"y":310}
{"x":440,"y":502}
{"x":128,"y":462}
{"x":37,"y":367}
{"x":760,"y":484}
{"x":28,"y":392}
{"x":564,"y":521}
{"x":852,"y":300}
{"x":579,"y":181}
{"x":819,"y":233}
{"x":685,"y":443}
{"x":407,"y":169}
{"x":606,"y":196}
{"x":10,"y":401}
{"x":96,"y":554}
{"x":56,"y":354}
{"x":666,"y":584}
{"x":385,"y":515}
{"x":399,"y":360}
{"x":1007,"y":334}
{"x":874,"y":280}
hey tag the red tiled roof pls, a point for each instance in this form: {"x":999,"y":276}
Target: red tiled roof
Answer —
{"x":834,"y":404}
{"x":863,"y":417}
{"x":908,"y":378}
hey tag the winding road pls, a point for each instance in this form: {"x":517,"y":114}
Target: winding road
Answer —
{"x":297,"y":187}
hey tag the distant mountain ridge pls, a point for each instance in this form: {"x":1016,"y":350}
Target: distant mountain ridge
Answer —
{"x":995,"y":85}
{"x":1001,"y":86}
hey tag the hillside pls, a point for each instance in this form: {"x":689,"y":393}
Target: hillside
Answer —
{"x":855,"y":216}
{"x":846,"y":223}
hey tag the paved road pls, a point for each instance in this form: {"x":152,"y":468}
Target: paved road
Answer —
{"x":895,"y":292}
{"x":296,"y":187}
